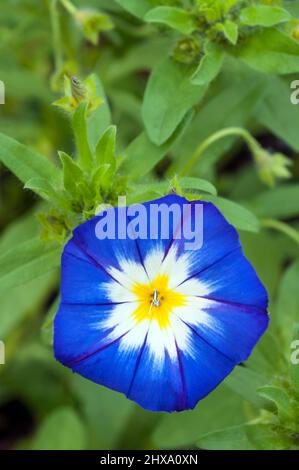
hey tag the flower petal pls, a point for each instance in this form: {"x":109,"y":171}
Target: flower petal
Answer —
{"x":232,"y":279}
{"x":233,"y":329}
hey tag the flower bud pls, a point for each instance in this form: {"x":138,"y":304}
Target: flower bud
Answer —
{"x":272,"y":166}
{"x":76,"y":91}
{"x":187,"y":50}
{"x":92,"y":22}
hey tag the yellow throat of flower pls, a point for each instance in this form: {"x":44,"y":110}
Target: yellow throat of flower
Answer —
{"x":156,"y":301}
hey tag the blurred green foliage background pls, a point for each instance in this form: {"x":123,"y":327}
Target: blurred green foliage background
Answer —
{"x":42,"y":404}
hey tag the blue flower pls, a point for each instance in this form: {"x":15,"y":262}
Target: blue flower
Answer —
{"x":148,"y":316}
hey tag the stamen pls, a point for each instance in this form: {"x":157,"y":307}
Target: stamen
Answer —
{"x":156,"y":301}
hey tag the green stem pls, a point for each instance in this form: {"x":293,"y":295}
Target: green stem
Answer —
{"x":57,"y":43}
{"x":236,"y":131}
{"x":281,"y":227}
{"x":69,"y":6}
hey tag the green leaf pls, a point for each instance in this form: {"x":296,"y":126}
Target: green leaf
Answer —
{"x":148,"y":191}
{"x":174,"y":17}
{"x":233,"y":438}
{"x":45,"y":190}
{"x":27,"y":261}
{"x":105,"y":158}
{"x":72,"y":174}
{"x":230,"y":31}
{"x":245,"y":382}
{"x":264,"y":15}
{"x":236,"y":215}
{"x":209,"y":66}
{"x":267,"y":357}
{"x":80,"y":130}
{"x":26,"y":163}
{"x":189,"y":182}
{"x":106,"y":146}
{"x":61,"y":430}
{"x":136,"y":7}
{"x":271,"y":51}
{"x":100,"y":119}
{"x":101,"y":175}
{"x":281,"y":202}
{"x":142,"y":155}
{"x":275,"y":113}
{"x":169,"y":95}
{"x":280,"y":398}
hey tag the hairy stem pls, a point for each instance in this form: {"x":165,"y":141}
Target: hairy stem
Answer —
{"x":281,"y":227}
{"x":236,"y":131}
